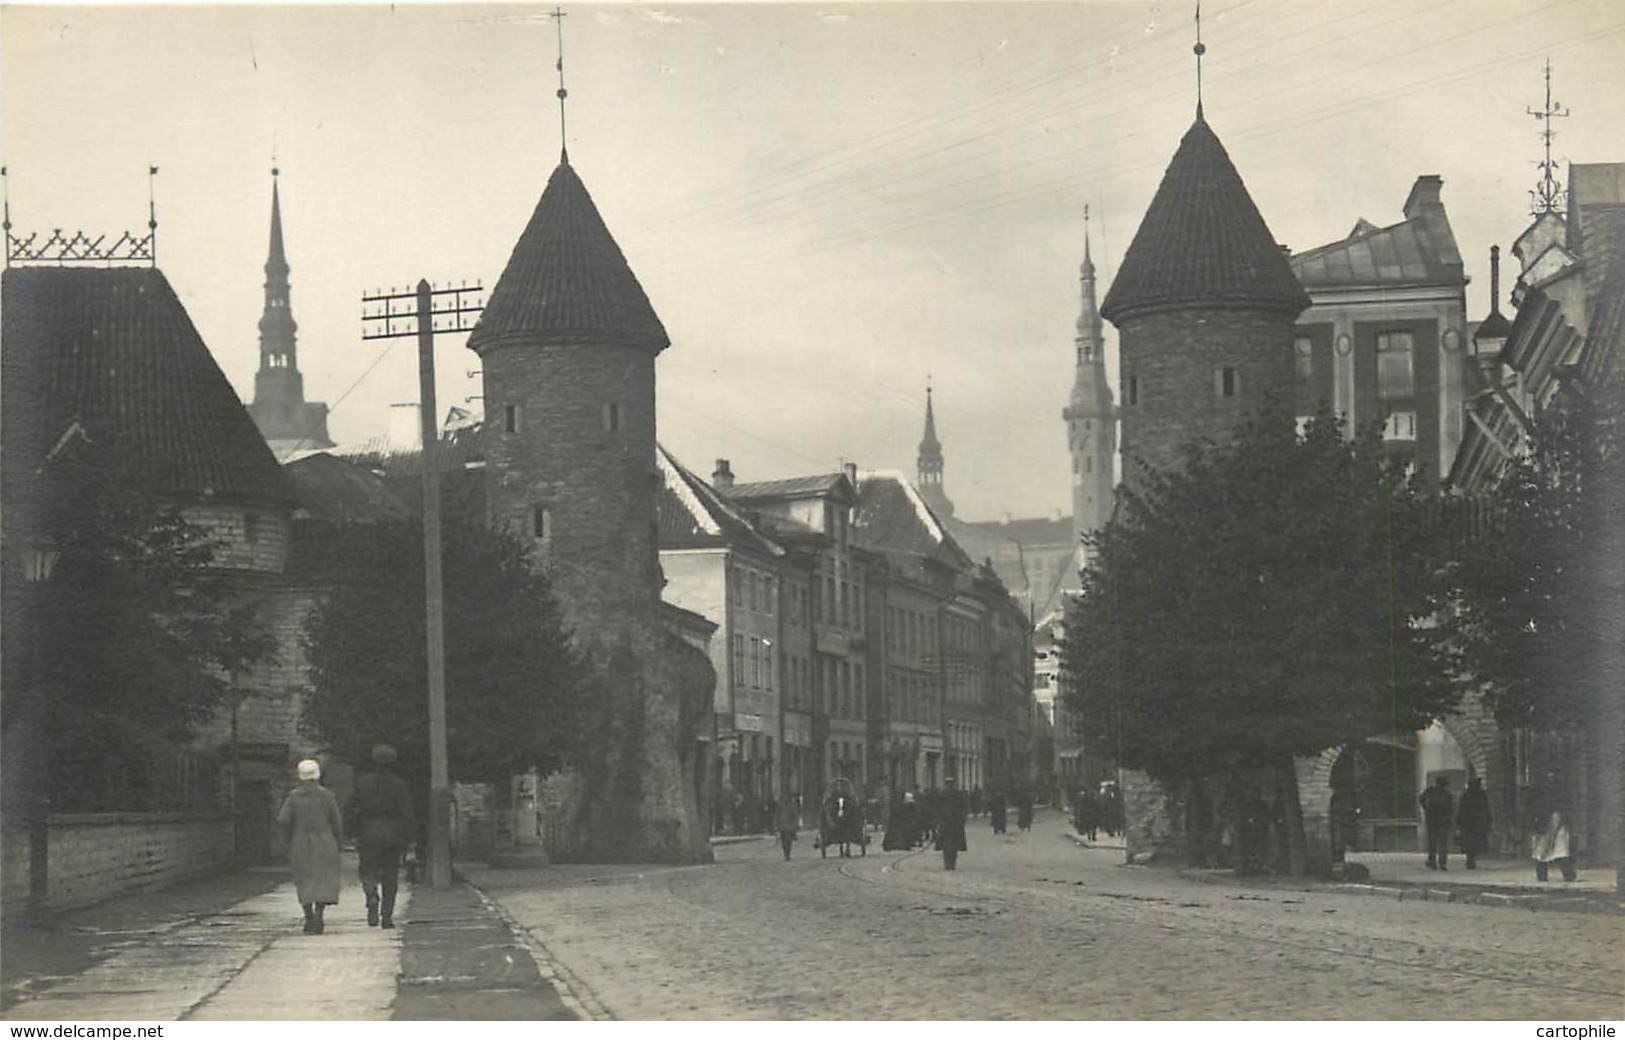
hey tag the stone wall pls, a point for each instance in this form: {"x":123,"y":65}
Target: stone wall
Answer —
{"x":97,"y":856}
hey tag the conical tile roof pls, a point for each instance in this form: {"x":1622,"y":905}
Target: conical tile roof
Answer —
{"x":567,"y":279}
{"x":1202,"y":242}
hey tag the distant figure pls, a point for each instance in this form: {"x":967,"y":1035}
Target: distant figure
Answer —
{"x":996,"y":811}
{"x":1553,"y":847}
{"x":1473,"y":821}
{"x":1024,"y":807}
{"x":1086,"y":813}
{"x":1437,"y":808}
{"x":381,"y":819}
{"x":789,"y":822}
{"x":976,"y":800}
{"x":951,"y":823}
{"x":312,"y":826}
{"x":1345,"y":813}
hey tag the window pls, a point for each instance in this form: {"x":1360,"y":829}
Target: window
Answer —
{"x":739,"y":660}
{"x":767,"y":665}
{"x":510,"y":418}
{"x":1396,"y":376}
{"x":1131,"y":390}
{"x":1399,"y":426}
{"x":739,"y":587}
{"x":541,"y":524}
{"x":612,"y":416}
{"x":1303,"y":360}
{"x":1089,"y":464}
{"x":1226,"y":382}
{"x":767,"y":595}
{"x":756,"y":662}
{"x":753,"y":579}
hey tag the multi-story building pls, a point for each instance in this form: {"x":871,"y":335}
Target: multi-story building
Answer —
{"x":1384,"y":338}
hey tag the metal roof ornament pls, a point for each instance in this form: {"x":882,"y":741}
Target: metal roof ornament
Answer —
{"x":1547,"y":196}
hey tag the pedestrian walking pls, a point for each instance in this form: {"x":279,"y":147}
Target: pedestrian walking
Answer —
{"x":1437,"y":809}
{"x":1086,"y":806}
{"x":996,"y":811}
{"x":313,"y":828}
{"x":951,"y":823}
{"x":1554,"y":847}
{"x":789,"y":822}
{"x":1345,"y":820}
{"x":381,"y":819}
{"x":1024,"y":808}
{"x":1473,"y":822}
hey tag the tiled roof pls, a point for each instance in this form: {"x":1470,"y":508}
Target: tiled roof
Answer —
{"x":1027,"y":533}
{"x":689,"y":513}
{"x":338,"y":491}
{"x":1202,"y":242}
{"x":567,"y":279}
{"x":892,"y":518}
{"x":1604,"y":244}
{"x":1402,"y":254}
{"x":114,"y":349}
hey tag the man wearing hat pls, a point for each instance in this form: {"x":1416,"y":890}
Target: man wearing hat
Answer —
{"x":381,"y":815}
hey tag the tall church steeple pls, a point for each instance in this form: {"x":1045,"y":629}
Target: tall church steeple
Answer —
{"x":1090,"y":416}
{"x":286,"y":420}
{"x":929,"y":465}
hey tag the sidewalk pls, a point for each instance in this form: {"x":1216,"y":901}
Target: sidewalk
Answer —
{"x":231,"y":947}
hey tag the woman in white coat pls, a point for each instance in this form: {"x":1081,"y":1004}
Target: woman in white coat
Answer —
{"x":1553,"y":847}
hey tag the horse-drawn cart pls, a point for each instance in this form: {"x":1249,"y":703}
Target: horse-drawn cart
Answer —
{"x":840,"y":819}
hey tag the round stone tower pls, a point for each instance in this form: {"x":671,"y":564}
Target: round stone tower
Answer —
{"x":567,"y":344}
{"x":1204,"y":304}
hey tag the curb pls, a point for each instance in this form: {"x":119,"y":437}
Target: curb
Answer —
{"x":1598,"y":903}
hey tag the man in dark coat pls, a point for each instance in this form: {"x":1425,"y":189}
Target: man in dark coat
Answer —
{"x":996,"y":812}
{"x":381,"y":815}
{"x":1473,"y":821}
{"x":951,"y":823}
{"x":1437,"y":808}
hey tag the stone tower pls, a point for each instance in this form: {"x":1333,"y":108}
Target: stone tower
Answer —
{"x":1091,"y":421}
{"x":1204,"y":305}
{"x":286,"y":420}
{"x":567,"y":345}
{"x":929,"y":466}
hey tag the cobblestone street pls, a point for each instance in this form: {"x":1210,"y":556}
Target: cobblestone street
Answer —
{"x":1032,"y":927}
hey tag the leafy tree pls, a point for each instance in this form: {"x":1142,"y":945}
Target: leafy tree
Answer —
{"x":1271,"y":597}
{"x":511,"y":678}
{"x":1532,"y":615}
{"x":130,"y":644}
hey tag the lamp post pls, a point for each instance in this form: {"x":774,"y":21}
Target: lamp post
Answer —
{"x":38,"y":562}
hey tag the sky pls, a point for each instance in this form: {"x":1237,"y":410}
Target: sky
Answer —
{"x":830,"y":205}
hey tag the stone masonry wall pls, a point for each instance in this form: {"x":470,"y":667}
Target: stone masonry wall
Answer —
{"x":98,"y":856}
{"x":1174,"y":356}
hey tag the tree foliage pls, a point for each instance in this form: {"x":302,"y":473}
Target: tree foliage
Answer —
{"x":130,"y":645}
{"x":1272,"y":596}
{"x":511,"y":678}
{"x":1536,"y":610}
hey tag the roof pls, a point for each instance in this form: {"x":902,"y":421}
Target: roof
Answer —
{"x":114,"y":349}
{"x":567,"y":279}
{"x":1202,"y":241}
{"x":892,"y":517}
{"x":793,"y":487}
{"x":339,"y":491}
{"x":689,"y":513}
{"x":1027,"y":533}
{"x":1407,"y":253}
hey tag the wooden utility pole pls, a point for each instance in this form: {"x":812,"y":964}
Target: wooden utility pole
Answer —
{"x":422,"y":320}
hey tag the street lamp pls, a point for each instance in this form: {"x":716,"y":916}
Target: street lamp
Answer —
{"x":38,"y":562}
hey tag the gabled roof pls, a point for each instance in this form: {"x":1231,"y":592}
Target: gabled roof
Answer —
{"x":114,"y":350}
{"x":567,"y":279}
{"x":1202,"y":242}
{"x":690,"y":514}
{"x":1030,"y":533}
{"x":893,"y":517}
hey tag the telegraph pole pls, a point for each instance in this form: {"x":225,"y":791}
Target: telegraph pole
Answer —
{"x":431,"y":310}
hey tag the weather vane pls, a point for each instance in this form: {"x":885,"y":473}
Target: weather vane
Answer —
{"x":1200,"y":49}
{"x":557,"y":14}
{"x":1548,"y":194}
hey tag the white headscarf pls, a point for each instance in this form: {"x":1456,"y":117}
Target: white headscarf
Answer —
{"x":310,"y":769}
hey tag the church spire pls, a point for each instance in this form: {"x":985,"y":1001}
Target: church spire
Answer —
{"x":929,"y":464}
{"x":1090,"y":342}
{"x":286,"y":420}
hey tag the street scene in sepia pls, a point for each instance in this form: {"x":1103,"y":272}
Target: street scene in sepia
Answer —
{"x":865,"y":512}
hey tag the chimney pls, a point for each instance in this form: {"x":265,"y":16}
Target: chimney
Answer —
{"x":1495,"y":279}
{"x":404,"y":431}
{"x":1424,"y":197}
{"x":851,"y":469}
{"x":722,"y":476}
